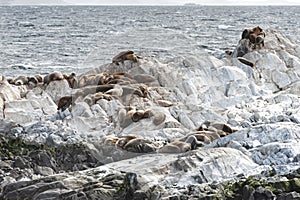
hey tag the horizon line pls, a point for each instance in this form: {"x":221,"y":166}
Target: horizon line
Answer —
{"x":187,"y":4}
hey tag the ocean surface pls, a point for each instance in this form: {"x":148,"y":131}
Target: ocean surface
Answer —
{"x":42,"y":39}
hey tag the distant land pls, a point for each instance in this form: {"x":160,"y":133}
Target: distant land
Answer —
{"x":32,"y":2}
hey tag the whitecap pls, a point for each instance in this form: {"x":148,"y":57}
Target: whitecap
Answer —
{"x":222,"y":26}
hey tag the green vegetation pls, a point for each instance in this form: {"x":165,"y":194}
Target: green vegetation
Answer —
{"x":16,"y":146}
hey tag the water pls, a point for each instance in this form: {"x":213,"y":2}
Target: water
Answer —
{"x":42,"y":39}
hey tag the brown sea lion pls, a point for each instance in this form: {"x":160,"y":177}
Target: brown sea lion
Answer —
{"x":55,"y":76}
{"x":32,"y":81}
{"x":228,"y":52}
{"x":21,"y":80}
{"x":246,"y":33}
{"x":10,"y":80}
{"x":255,"y":35}
{"x":149,"y":113}
{"x":260,"y":40}
{"x":125,"y":139}
{"x":39,"y":78}
{"x":72,"y":80}
{"x":110,"y":140}
{"x":159,"y":118}
{"x":91,"y":99}
{"x":138,"y":115}
{"x":86,"y":80}
{"x":124,"y":55}
{"x":65,"y":102}
{"x":139,"y":145}
{"x":176,"y":147}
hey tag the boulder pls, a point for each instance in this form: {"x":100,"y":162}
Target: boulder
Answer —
{"x":9,"y":92}
{"x":58,"y":89}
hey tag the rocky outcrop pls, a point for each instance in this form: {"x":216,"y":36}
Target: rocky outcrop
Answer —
{"x":180,"y":127}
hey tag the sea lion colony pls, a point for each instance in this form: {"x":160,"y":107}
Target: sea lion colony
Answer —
{"x":127,"y":89}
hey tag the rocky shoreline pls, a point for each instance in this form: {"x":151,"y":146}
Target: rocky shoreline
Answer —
{"x":160,"y":128}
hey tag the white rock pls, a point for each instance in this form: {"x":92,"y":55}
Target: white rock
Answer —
{"x":58,"y":89}
{"x":214,"y":164}
{"x":9,"y":92}
{"x":1,"y":108}
{"x":81,"y":109}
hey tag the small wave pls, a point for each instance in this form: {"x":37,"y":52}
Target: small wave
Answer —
{"x":26,"y":24}
{"x":21,"y":67}
{"x":222,"y":26}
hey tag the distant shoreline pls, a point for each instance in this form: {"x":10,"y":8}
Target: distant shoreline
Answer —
{"x":139,"y":5}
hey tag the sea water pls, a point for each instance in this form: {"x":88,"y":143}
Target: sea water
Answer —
{"x":43,"y":39}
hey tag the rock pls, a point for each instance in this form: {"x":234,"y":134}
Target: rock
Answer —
{"x":1,"y":108}
{"x":44,"y":171}
{"x":81,"y":109}
{"x":58,"y":89}
{"x":210,"y":163}
{"x":42,"y":101}
{"x":8,"y":92}
{"x":164,"y":103}
{"x":108,"y":185}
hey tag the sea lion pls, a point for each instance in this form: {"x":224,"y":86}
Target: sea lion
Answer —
{"x":246,"y":33}
{"x":125,"y":139}
{"x":138,"y":115}
{"x":256,"y":36}
{"x":65,"y":102}
{"x":72,"y":80}
{"x":39,"y":78}
{"x":159,"y":118}
{"x":211,"y":135}
{"x":139,"y":145}
{"x":110,"y":140}
{"x":125,"y":116}
{"x":105,"y":78}
{"x":176,"y":147}
{"x":10,"y":80}
{"x":55,"y":76}
{"x":228,"y":52}
{"x":21,"y":80}
{"x":32,"y":81}
{"x":260,"y":40}
{"x":91,"y":99}
{"x":208,"y":125}
{"x":148,"y":113}
{"x":124,"y":55}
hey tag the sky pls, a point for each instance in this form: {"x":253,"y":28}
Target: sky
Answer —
{"x":155,"y":2}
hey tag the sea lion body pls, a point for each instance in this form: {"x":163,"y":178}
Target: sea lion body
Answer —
{"x":55,"y":76}
{"x":65,"y":102}
{"x":255,"y":35}
{"x":139,"y":145}
{"x":176,"y":147}
{"x":72,"y":80}
{"x":124,"y":55}
{"x":21,"y":80}
{"x":125,"y":139}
